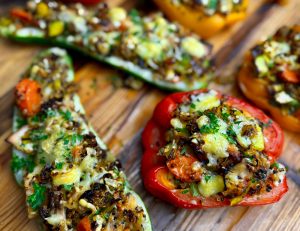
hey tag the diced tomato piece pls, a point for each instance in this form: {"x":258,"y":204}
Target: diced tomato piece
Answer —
{"x":29,"y":97}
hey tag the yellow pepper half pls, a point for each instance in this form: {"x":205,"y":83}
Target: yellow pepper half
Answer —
{"x":204,"y":25}
{"x":256,"y":90}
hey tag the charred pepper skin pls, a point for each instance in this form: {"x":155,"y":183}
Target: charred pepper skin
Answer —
{"x":156,"y":175}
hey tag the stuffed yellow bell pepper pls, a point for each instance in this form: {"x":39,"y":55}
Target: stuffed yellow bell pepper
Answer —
{"x":205,"y":17}
{"x":270,"y":76}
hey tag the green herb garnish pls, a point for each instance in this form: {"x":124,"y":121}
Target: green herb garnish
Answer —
{"x":185,"y":191}
{"x":253,"y":180}
{"x":135,"y":16}
{"x":225,"y":116}
{"x":43,"y":161}
{"x":212,"y":4}
{"x":75,"y":138}
{"x":207,"y":178}
{"x":230,"y":135}
{"x":68,"y":187}
{"x":213,"y":126}
{"x":66,"y":115}
{"x":36,"y":199}
{"x":59,"y":165}
{"x":21,"y":122}
{"x":183,"y":150}
{"x":106,"y":216}
{"x":19,"y":163}
{"x":37,"y":135}
{"x":194,"y":190}
{"x":275,"y":165}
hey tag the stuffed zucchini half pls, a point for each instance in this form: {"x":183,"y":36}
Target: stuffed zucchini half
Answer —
{"x":71,"y":180}
{"x":150,"y":48}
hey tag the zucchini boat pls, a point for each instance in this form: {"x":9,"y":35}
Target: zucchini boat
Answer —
{"x":71,"y":180}
{"x":150,"y":47}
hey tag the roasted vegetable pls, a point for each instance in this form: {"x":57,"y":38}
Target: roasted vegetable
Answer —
{"x":206,"y":18}
{"x":270,"y":77}
{"x":203,"y":149}
{"x":149,"y":47}
{"x":71,"y":179}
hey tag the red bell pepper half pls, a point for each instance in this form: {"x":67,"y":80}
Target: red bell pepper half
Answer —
{"x":156,"y":175}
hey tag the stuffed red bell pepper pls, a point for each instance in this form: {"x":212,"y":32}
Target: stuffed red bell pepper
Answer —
{"x":204,"y":149}
{"x":270,"y":76}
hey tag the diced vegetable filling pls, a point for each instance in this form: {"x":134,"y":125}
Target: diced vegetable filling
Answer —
{"x":216,"y":150}
{"x":151,"y":42}
{"x":70,"y":177}
{"x":277,"y":61}
{"x":211,"y":7}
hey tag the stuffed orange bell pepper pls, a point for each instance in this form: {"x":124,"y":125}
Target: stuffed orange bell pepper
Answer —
{"x":204,"y":150}
{"x":270,"y":77}
{"x":206,"y":18}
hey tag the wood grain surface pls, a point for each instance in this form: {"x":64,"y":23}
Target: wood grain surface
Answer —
{"x":119,"y":114}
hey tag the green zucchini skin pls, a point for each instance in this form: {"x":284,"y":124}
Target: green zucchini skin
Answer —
{"x":17,"y":117}
{"x":126,"y":66}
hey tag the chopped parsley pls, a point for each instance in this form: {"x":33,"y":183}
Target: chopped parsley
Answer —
{"x":66,"y":115}
{"x":43,"y":160}
{"x":183,"y":150}
{"x":135,"y":16}
{"x":275,"y":165}
{"x":19,"y":163}
{"x":248,"y":156}
{"x":213,"y":126}
{"x":75,"y":138}
{"x":68,"y":187}
{"x":230,"y":139}
{"x":225,"y":116}
{"x":59,"y":165}
{"x":213,"y":4}
{"x":238,"y":122}
{"x":185,"y":191}
{"x":230,"y":135}
{"x":194,"y":190}
{"x":99,"y":211}
{"x":37,"y":135}
{"x":36,"y":199}
{"x":183,"y":130}
{"x":207,"y":178}
{"x":253,"y":180}
{"x":21,"y":122}
{"x":106,"y":216}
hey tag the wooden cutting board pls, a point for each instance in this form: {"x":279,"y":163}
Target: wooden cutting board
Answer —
{"x":119,"y":115}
